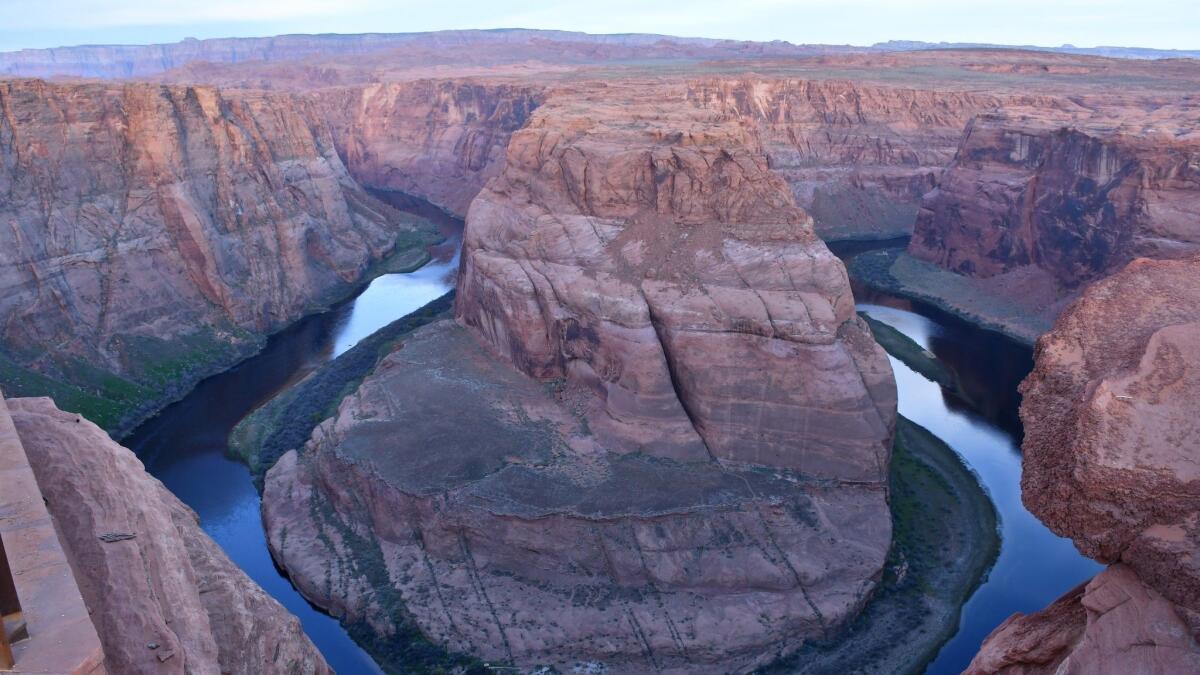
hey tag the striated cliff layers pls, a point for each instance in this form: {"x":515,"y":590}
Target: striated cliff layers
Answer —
{"x":163,"y":596}
{"x":858,"y":156}
{"x":1075,"y":196}
{"x":440,"y":140}
{"x":1110,"y":461}
{"x":679,"y":430}
{"x":152,"y":234}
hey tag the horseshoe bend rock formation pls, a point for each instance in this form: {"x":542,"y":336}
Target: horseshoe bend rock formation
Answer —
{"x":147,"y":572}
{"x":1110,"y":461}
{"x":679,"y":431}
{"x":154,"y":233}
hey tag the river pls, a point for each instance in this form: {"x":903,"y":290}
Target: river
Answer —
{"x":185,"y":445}
{"x":1035,"y":566}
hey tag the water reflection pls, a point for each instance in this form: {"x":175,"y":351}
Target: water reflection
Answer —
{"x":184,"y":446}
{"x":1035,"y":566}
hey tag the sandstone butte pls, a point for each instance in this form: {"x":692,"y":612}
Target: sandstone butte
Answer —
{"x":147,"y":572}
{"x":1110,"y":461}
{"x":679,"y":428}
{"x":641,"y":280}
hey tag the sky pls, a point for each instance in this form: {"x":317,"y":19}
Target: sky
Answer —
{"x":1163,"y":24}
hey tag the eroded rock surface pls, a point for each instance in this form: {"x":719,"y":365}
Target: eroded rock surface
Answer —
{"x":147,"y":572}
{"x":858,"y":156}
{"x":520,"y":538}
{"x":679,"y":430}
{"x":1077,"y":193}
{"x":1111,"y":435}
{"x":659,"y":262}
{"x":440,"y":140}
{"x":1113,"y":625}
{"x":153,"y":233}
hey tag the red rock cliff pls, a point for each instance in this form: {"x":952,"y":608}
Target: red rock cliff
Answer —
{"x":148,"y":574}
{"x":658,"y":260}
{"x":440,"y":140}
{"x":858,"y":156}
{"x":1110,"y":461}
{"x":1078,"y":197}
{"x":155,"y":232}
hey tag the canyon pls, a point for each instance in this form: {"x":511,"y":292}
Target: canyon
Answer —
{"x":155,"y":234}
{"x":671,"y":432}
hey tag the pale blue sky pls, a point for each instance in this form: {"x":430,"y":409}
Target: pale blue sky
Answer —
{"x":1164,"y":24}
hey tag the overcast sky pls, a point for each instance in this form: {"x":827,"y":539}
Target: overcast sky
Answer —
{"x":1166,"y":24}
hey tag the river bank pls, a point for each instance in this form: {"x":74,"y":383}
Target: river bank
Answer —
{"x":185,"y":445}
{"x":945,"y":541}
{"x":1016,"y":305}
{"x":286,"y":421}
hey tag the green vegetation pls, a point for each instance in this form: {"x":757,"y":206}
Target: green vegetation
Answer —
{"x":912,"y":354}
{"x":156,"y":371}
{"x":945,"y":539}
{"x":159,"y":370}
{"x":286,"y":421}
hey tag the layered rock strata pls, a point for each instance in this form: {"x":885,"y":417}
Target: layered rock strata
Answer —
{"x":440,"y":140}
{"x":1075,"y":196}
{"x":857,"y":156}
{"x":153,"y":233}
{"x":163,"y":596}
{"x":1110,"y":461}
{"x":679,"y":429}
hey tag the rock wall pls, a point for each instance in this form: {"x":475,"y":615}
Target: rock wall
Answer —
{"x":679,"y":430}
{"x":152,"y":234}
{"x":1110,"y":461}
{"x":438,"y":139}
{"x":857,"y":156}
{"x":163,"y":596}
{"x":1076,"y":196}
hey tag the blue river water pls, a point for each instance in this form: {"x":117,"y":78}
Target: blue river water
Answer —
{"x":185,"y":445}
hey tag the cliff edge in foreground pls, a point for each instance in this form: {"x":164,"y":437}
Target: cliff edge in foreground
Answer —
{"x":163,"y":596}
{"x":1111,"y":461}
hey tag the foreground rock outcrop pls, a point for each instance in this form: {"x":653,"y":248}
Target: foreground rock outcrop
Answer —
{"x":152,"y":234}
{"x":679,"y":430}
{"x":163,"y":596}
{"x":1110,"y":461}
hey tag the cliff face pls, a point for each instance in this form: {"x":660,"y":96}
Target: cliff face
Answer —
{"x":857,"y":156}
{"x":154,"y":233}
{"x":1078,"y":198}
{"x":148,"y":574}
{"x":680,"y":430}
{"x":440,"y":140}
{"x":1110,"y":461}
